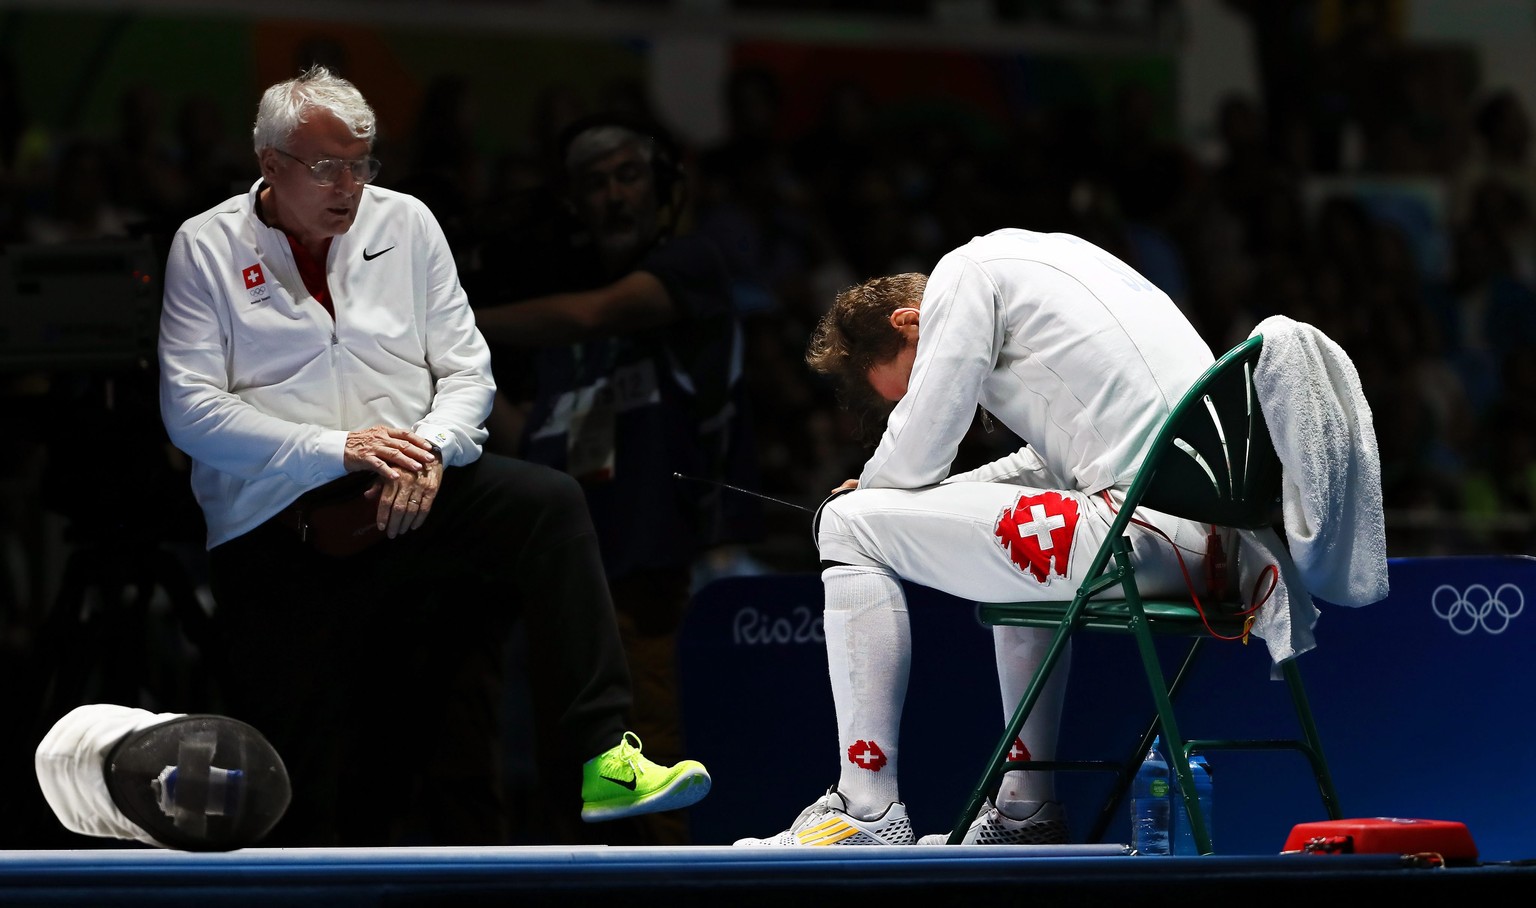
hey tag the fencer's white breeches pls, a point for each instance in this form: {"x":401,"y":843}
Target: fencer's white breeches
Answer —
{"x":71,"y":768}
{"x":981,"y":541}
{"x":995,"y":542}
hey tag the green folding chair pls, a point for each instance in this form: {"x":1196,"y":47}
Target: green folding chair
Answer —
{"x":1212,"y":461}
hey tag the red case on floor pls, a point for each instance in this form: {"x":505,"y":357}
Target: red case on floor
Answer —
{"x":1385,"y":835}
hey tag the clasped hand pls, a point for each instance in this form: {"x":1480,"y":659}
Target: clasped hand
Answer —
{"x":409,"y":475}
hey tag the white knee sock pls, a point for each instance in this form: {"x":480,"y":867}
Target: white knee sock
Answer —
{"x":869,"y":654}
{"x":1019,"y":651}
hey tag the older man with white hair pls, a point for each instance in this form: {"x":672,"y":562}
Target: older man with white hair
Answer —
{"x":321,"y":367}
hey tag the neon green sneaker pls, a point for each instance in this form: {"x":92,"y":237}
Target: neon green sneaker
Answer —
{"x":621,"y":782}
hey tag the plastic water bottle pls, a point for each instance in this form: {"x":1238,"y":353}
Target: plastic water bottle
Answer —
{"x":1150,"y":804}
{"x":1183,"y":833}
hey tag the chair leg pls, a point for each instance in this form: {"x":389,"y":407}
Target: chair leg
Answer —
{"x":1127,"y":773}
{"x":1177,"y":749}
{"x":999,"y":756}
{"x":1314,"y":741}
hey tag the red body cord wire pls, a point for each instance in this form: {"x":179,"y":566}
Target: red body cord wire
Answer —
{"x":1270,"y":571}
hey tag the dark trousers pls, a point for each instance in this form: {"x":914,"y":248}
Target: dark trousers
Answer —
{"x":650,"y":604}
{"x":375,"y":675}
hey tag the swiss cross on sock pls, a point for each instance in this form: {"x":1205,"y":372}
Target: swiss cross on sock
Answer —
{"x":253,"y":277}
{"x":1018,"y":753}
{"x":866,"y":755}
{"x":1037,"y":533}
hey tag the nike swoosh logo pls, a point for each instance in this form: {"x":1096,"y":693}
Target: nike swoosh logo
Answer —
{"x":627,"y":783}
{"x":370,"y":257}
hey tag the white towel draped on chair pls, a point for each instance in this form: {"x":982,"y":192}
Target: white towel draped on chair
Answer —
{"x":1321,"y":425}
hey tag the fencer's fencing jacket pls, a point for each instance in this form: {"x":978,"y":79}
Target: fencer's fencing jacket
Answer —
{"x":1005,"y":325}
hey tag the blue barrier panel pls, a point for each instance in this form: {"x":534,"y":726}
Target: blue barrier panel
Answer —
{"x":1420,"y":700}
{"x":1429,"y":695}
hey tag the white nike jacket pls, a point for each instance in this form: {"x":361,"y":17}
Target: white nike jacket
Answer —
{"x":259,"y":386}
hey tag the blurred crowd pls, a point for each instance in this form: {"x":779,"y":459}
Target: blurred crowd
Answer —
{"x":1436,"y":303}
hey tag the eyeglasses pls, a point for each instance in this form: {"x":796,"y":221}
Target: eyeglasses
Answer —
{"x":326,"y":172}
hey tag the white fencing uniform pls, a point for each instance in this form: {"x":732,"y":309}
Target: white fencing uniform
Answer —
{"x":1079,"y":356}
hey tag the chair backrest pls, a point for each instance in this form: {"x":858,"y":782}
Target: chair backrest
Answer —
{"x":1213,"y":459}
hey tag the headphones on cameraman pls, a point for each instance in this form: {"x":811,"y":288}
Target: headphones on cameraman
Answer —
{"x":667,"y":174}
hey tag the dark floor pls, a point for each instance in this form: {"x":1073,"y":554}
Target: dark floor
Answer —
{"x":715,"y":875}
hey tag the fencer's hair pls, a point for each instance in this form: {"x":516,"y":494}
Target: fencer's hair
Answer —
{"x":856,"y":333}
{"x":288,"y":104}
{"x":591,"y":144}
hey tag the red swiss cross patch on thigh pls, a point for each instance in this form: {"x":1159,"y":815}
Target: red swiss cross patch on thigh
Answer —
{"x":1037,"y":533}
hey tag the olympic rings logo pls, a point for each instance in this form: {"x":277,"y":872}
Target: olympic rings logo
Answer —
{"x":1477,"y":608}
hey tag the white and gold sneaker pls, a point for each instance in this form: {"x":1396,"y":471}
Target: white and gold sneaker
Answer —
{"x":827,"y":822}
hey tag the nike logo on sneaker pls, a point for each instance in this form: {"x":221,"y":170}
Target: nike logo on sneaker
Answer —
{"x":368,"y":257}
{"x":627,"y":783}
